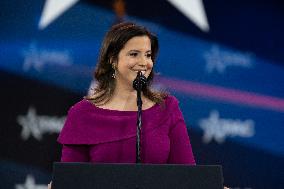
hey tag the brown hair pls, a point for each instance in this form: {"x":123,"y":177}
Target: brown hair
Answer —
{"x":113,"y":42}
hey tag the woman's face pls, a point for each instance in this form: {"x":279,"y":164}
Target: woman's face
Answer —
{"x":133,"y":57}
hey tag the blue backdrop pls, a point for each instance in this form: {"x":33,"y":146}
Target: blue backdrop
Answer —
{"x":229,"y":81}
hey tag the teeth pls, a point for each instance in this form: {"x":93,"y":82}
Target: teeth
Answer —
{"x":142,"y":71}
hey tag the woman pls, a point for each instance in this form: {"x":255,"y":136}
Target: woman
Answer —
{"x":102,"y":128}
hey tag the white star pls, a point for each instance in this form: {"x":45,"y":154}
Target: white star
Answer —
{"x":193,"y":10}
{"x":212,"y":128}
{"x":30,"y":184}
{"x":53,"y":9}
{"x":30,"y":124}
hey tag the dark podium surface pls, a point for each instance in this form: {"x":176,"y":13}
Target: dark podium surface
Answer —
{"x":136,"y":176}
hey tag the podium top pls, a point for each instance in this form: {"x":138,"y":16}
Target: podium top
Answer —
{"x":134,"y":176}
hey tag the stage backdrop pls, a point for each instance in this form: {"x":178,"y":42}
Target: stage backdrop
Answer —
{"x":223,"y":60}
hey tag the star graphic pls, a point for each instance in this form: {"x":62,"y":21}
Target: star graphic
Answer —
{"x":30,"y":124}
{"x":192,"y":9}
{"x":218,"y":129}
{"x":53,"y":9}
{"x":219,"y":59}
{"x":32,"y":59}
{"x":214,"y":60}
{"x":37,"y":125}
{"x":30,"y":184}
{"x":212,"y":128}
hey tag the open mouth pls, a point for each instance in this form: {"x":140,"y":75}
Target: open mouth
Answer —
{"x":142,"y":71}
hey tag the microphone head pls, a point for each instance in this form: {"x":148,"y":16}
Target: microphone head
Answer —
{"x":140,"y":82}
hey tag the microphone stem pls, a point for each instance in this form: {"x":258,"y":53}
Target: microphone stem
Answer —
{"x":139,"y":124}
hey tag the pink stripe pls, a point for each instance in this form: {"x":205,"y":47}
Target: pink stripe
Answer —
{"x":224,"y":94}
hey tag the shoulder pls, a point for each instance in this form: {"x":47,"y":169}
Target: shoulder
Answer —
{"x":75,"y":124}
{"x":172,"y":106}
{"x":80,"y":107}
{"x":171,"y":101}
{"x":169,"y":106}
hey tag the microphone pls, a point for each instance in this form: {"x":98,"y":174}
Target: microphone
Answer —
{"x":139,"y":84}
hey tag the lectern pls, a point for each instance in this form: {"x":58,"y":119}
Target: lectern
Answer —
{"x":136,"y":176}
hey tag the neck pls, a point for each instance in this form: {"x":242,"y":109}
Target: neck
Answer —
{"x":123,"y":90}
{"x":124,"y":93}
{"x":125,"y":98}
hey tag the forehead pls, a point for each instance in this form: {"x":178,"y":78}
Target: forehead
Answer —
{"x":138,"y":43}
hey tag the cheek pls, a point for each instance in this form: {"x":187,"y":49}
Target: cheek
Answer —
{"x":129,"y":62}
{"x":149,"y":69}
{"x":150,"y":65}
{"x":124,"y":63}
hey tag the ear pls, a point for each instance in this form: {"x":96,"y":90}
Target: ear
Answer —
{"x":113,"y":62}
{"x":113,"y":65}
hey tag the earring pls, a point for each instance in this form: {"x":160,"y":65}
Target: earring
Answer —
{"x":113,"y":75}
{"x":114,"y":71}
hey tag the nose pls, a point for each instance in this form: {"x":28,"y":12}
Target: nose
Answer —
{"x":143,"y":61}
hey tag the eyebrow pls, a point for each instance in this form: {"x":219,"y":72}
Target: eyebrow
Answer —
{"x":134,"y":50}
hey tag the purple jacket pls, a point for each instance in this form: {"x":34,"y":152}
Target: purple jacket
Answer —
{"x":92,"y":134}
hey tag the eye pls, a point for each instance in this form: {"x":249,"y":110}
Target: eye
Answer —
{"x":149,"y":55}
{"x":133,"y":54}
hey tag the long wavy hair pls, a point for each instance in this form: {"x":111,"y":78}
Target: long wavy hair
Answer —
{"x":114,"y":40}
